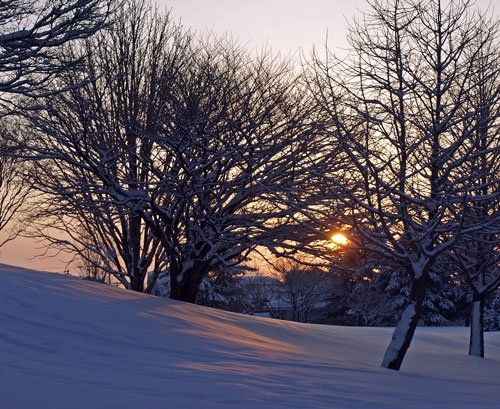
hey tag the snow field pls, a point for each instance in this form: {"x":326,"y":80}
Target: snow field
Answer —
{"x":72,"y":344}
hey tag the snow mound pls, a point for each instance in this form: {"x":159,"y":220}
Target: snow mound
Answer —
{"x":68,"y":343}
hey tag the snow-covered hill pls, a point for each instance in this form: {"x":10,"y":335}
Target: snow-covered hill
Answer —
{"x":71,"y":344}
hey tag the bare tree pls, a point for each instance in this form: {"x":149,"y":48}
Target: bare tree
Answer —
{"x":237,"y":145}
{"x":199,"y":144}
{"x":477,"y":253}
{"x":99,"y":237}
{"x":477,"y":257}
{"x":89,"y":268}
{"x":303,"y":288}
{"x":399,"y":104}
{"x":101,"y":124}
{"x":14,"y":190}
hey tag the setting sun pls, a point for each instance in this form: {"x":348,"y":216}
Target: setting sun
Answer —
{"x":339,"y":239}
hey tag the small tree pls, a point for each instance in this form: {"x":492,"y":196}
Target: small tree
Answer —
{"x":89,"y":268}
{"x":304,"y":289}
{"x":224,"y":290}
{"x":14,"y":191}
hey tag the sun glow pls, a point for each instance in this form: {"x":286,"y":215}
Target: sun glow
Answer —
{"x":339,"y":239}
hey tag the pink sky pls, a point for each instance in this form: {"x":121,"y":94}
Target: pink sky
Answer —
{"x":286,"y":25}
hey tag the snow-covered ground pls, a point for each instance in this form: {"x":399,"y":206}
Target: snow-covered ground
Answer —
{"x":70,"y":344}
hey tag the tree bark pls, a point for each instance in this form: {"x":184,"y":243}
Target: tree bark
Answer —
{"x":476,"y":343}
{"x":187,"y":289}
{"x":403,"y":334}
{"x":137,"y":283}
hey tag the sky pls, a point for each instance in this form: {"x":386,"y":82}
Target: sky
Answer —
{"x":287,"y":26}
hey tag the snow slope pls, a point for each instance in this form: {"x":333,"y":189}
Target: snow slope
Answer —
{"x":71,"y":344}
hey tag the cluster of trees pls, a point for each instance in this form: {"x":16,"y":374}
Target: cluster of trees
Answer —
{"x":367,"y":297}
{"x":178,"y":154}
{"x":155,"y":152}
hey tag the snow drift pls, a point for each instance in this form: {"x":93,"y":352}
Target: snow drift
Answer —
{"x":67,"y":343}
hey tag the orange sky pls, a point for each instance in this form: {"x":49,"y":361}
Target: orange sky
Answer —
{"x":22,"y":252}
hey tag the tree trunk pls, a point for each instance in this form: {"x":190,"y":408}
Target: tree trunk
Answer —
{"x":186,"y":292}
{"x":190,"y":290}
{"x":187,"y":289}
{"x":403,"y":334}
{"x":476,"y":344}
{"x":137,"y":283}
